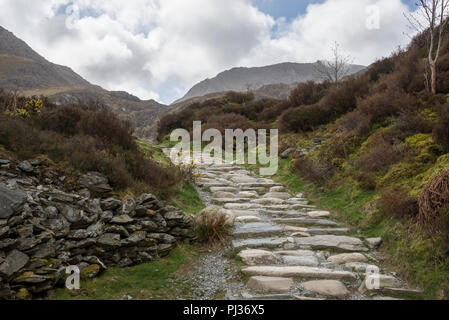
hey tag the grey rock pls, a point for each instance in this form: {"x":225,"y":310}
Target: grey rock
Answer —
{"x":118,"y":229}
{"x":96,"y":182}
{"x":109,"y":240}
{"x":14,"y":262}
{"x":25,"y":166}
{"x":123,"y":219}
{"x":374,"y":243}
{"x":129,"y":206}
{"x":110,"y":204}
{"x":11,"y":201}
{"x":287,"y":153}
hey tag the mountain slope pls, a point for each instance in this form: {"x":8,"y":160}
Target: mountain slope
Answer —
{"x":243,"y":79}
{"x":24,"y":70}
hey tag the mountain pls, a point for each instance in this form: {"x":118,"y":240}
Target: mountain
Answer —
{"x":243,"y":79}
{"x":24,"y":70}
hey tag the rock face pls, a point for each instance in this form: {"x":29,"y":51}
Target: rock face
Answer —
{"x":44,"y":229}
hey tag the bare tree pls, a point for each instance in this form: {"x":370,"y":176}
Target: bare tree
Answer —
{"x":336,"y":69}
{"x":431,"y":18}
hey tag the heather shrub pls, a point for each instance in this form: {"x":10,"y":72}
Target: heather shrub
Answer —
{"x":396,"y":202}
{"x":239,"y":97}
{"x":318,"y":171}
{"x":308,"y":93}
{"x":441,"y":129}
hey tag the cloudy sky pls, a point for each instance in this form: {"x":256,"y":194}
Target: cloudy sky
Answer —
{"x":160,"y":48}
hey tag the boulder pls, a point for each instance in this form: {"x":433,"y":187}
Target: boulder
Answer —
{"x":11,"y":201}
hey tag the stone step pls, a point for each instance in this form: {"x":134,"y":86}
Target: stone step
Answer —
{"x":253,"y":257}
{"x":307,"y":261}
{"x":286,"y":213}
{"x":327,"y":231}
{"x":229,"y":200}
{"x":269,"y":243}
{"x":242,"y":206}
{"x":298,"y":272}
{"x":331,"y":242}
{"x":247,"y":219}
{"x":306,"y":222}
{"x":268,"y":297}
{"x":270,"y":284}
{"x":257,"y":229}
{"x":331,"y":288}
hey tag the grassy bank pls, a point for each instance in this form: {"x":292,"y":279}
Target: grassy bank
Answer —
{"x":408,"y":250}
{"x":158,"y":280}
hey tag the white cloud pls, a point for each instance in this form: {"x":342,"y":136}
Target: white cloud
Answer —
{"x":159,"y":48}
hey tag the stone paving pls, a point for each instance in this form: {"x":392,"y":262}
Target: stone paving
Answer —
{"x":291,"y":249}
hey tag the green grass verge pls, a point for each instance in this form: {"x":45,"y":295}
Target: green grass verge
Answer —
{"x":158,"y":280}
{"x":188,"y":200}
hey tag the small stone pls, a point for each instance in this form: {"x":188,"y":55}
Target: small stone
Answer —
{"x":318,"y":214}
{"x":331,"y":288}
{"x":378,"y":282}
{"x":90,"y":272}
{"x":270,"y":284}
{"x":15,"y":261}
{"x":128,"y":206}
{"x":374,"y":243}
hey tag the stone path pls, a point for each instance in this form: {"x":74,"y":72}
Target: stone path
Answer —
{"x":291,"y":249}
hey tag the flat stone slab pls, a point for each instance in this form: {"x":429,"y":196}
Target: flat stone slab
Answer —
{"x":328,"y":231}
{"x":259,"y":243}
{"x":308,"y":261}
{"x":229,"y":200}
{"x":223,"y":189}
{"x":379,"y":282}
{"x":248,"y":194}
{"x":270,"y":284}
{"x":332,"y":242}
{"x":306,"y":222}
{"x":277,"y":189}
{"x":318,"y":214}
{"x":240,"y":213}
{"x":244,"y":179}
{"x":332,"y":288}
{"x":247,"y":219}
{"x":242,"y":206}
{"x":297,"y":272}
{"x":255,"y":257}
{"x":268,"y":201}
{"x":298,"y":253}
{"x":258,"y":229}
{"x":223,"y":195}
{"x":287,"y":213}
{"x":360,"y":267}
{"x":347,"y":257}
{"x":278,"y":195}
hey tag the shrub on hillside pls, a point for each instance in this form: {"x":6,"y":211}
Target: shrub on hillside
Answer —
{"x":239,"y":97}
{"x":308,"y":93}
{"x":441,"y":130}
{"x":314,"y":170}
{"x":396,"y":202}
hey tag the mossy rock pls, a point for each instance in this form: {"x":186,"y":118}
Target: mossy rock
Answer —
{"x":23,"y":294}
{"x":90,"y":272}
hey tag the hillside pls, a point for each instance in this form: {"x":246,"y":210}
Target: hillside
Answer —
{"x":244,"y":79}
{"x":373,"y":150}
{"x":22,"y":69}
